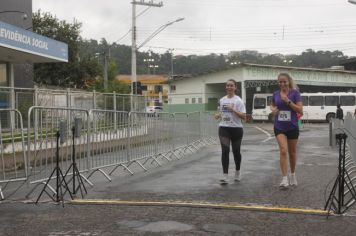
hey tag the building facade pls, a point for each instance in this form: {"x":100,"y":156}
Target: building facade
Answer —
{"x":20,"y":48}
{"x":17,"y":13}
{"x":201,"y":93}
{"x":154,"y":87}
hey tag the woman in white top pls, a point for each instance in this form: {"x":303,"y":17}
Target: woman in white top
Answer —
{"x":231,"y":111}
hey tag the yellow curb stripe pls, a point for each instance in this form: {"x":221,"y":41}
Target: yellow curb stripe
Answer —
{"x":198,"y":204}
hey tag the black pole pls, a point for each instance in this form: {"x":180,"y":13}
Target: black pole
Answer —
{"x":339,"y":139}
{"x":57,"y":166}
{"x":343,"y":167}
{"x":73,"y":159}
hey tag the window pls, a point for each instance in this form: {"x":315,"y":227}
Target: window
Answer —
{"x":144,"y":87}
{"x":316,"y":101}
{"x":193,"y":100}
{"x":305,"y":100}
{"x":331,"y":100}
{"x":187,"y":101}
{"x":158,"y":88}
{"x":173,"y":87}
{"x":259,"y":103}
{"x":3,"y":80}
{"x":200,"y":100}
{"x":347,"y":100}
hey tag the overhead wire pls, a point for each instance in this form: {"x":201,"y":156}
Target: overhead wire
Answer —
{"x":283,"y":33}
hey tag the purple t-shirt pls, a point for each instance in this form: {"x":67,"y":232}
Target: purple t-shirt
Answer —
{"x":286,"y":119}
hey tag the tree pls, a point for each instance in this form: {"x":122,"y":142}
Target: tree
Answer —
{"x":112,"y":70}
{"x":77,"y":70}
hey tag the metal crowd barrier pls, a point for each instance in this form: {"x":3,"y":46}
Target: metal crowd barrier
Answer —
{"x":143,"y":138}
{"x":43,"y":125}
{"x":348,"y":127}
{"x":107,"y":140}
{"x":12,"y":149}
{"x":181,"y":136}
{"x":165,"y":132}
{"x":209,"y":127}
{"x":194,"y":130}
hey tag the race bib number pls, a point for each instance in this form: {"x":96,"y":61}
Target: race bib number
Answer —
{"x":284,"y":116}
{"x":226,"y":117}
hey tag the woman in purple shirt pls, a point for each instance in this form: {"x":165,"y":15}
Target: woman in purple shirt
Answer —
{"x":286,"y":102}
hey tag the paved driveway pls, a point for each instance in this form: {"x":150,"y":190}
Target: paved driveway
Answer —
{"x":185,"y":197}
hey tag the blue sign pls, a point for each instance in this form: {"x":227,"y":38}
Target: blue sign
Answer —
{"x":26,"y":41}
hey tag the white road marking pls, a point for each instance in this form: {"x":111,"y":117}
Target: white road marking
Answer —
{"x":269,"y":136}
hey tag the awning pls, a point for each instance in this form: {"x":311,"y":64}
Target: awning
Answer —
{"x":18,"y":45}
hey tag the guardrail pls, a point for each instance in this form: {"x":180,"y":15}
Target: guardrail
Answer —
{"x":106,"y":140}
{"x":12,"y":149}
{"x":346,"y":181}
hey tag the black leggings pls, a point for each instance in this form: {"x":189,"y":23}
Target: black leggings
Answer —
{"x":231,"y":135}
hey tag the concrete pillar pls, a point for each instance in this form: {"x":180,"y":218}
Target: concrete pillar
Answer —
{"x":243,"y":91}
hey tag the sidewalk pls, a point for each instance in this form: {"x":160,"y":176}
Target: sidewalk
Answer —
{"x":156,"y":196}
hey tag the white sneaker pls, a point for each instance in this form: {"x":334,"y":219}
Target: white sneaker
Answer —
{"x":293,"y":180}
{"x":284,"y":183}
{"x":237,"y":175}
{"x":224,"y":179}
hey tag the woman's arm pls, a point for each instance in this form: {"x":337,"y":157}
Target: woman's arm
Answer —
{"x":241,"y":115}
{"x":274,"y":108}
{"x":297,"y":107}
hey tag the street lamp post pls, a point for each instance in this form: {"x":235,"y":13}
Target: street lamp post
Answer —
{"x":171,"y":52}
{"x":154,"y":68}
{"x":134,"y":48}
{"x":105,"y":54}
{"x":149,"y":61}
{"x":287,"y":61}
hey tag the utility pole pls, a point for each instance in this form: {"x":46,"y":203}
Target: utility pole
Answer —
{"x":106,"y":55}
{"x":171,"y":51}
{"x":133,"y":47}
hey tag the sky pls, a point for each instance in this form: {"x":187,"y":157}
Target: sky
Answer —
{"x":216,"y":26}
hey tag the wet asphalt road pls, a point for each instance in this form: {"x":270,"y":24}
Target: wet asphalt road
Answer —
{"x":195,"y":179}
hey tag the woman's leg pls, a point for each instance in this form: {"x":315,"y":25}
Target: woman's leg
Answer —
{"x":283,"y":148}
{"x":225,"y":148}
{"x":292,"y":151}
{"x":236,"y":146}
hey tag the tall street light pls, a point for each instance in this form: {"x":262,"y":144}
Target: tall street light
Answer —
{"x":171,"y":52}
{"x":106,"y":57}
{"x":134,"y":48}
{"x":157,"y":31}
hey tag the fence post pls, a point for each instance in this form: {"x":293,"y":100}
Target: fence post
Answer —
{"x":12,"y":106}
{"x":115,"y":109}
{"x":35,"y":122}
{"x":68,"y":98}
{"x":331,"y":133}
{"x":94,"y":99}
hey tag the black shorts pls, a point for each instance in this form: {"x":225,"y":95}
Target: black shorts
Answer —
{"x":290,"y":134}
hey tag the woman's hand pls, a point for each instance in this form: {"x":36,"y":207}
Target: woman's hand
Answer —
{"x":284,"y":98}
{"x":274,"y":110}
{"x":230,"y":107}
{"x":217,"y":116}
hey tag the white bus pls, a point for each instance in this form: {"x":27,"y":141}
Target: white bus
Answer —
{"x":317,"y":106}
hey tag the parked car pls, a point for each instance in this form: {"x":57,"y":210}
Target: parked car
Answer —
{"x":153,"y":109}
